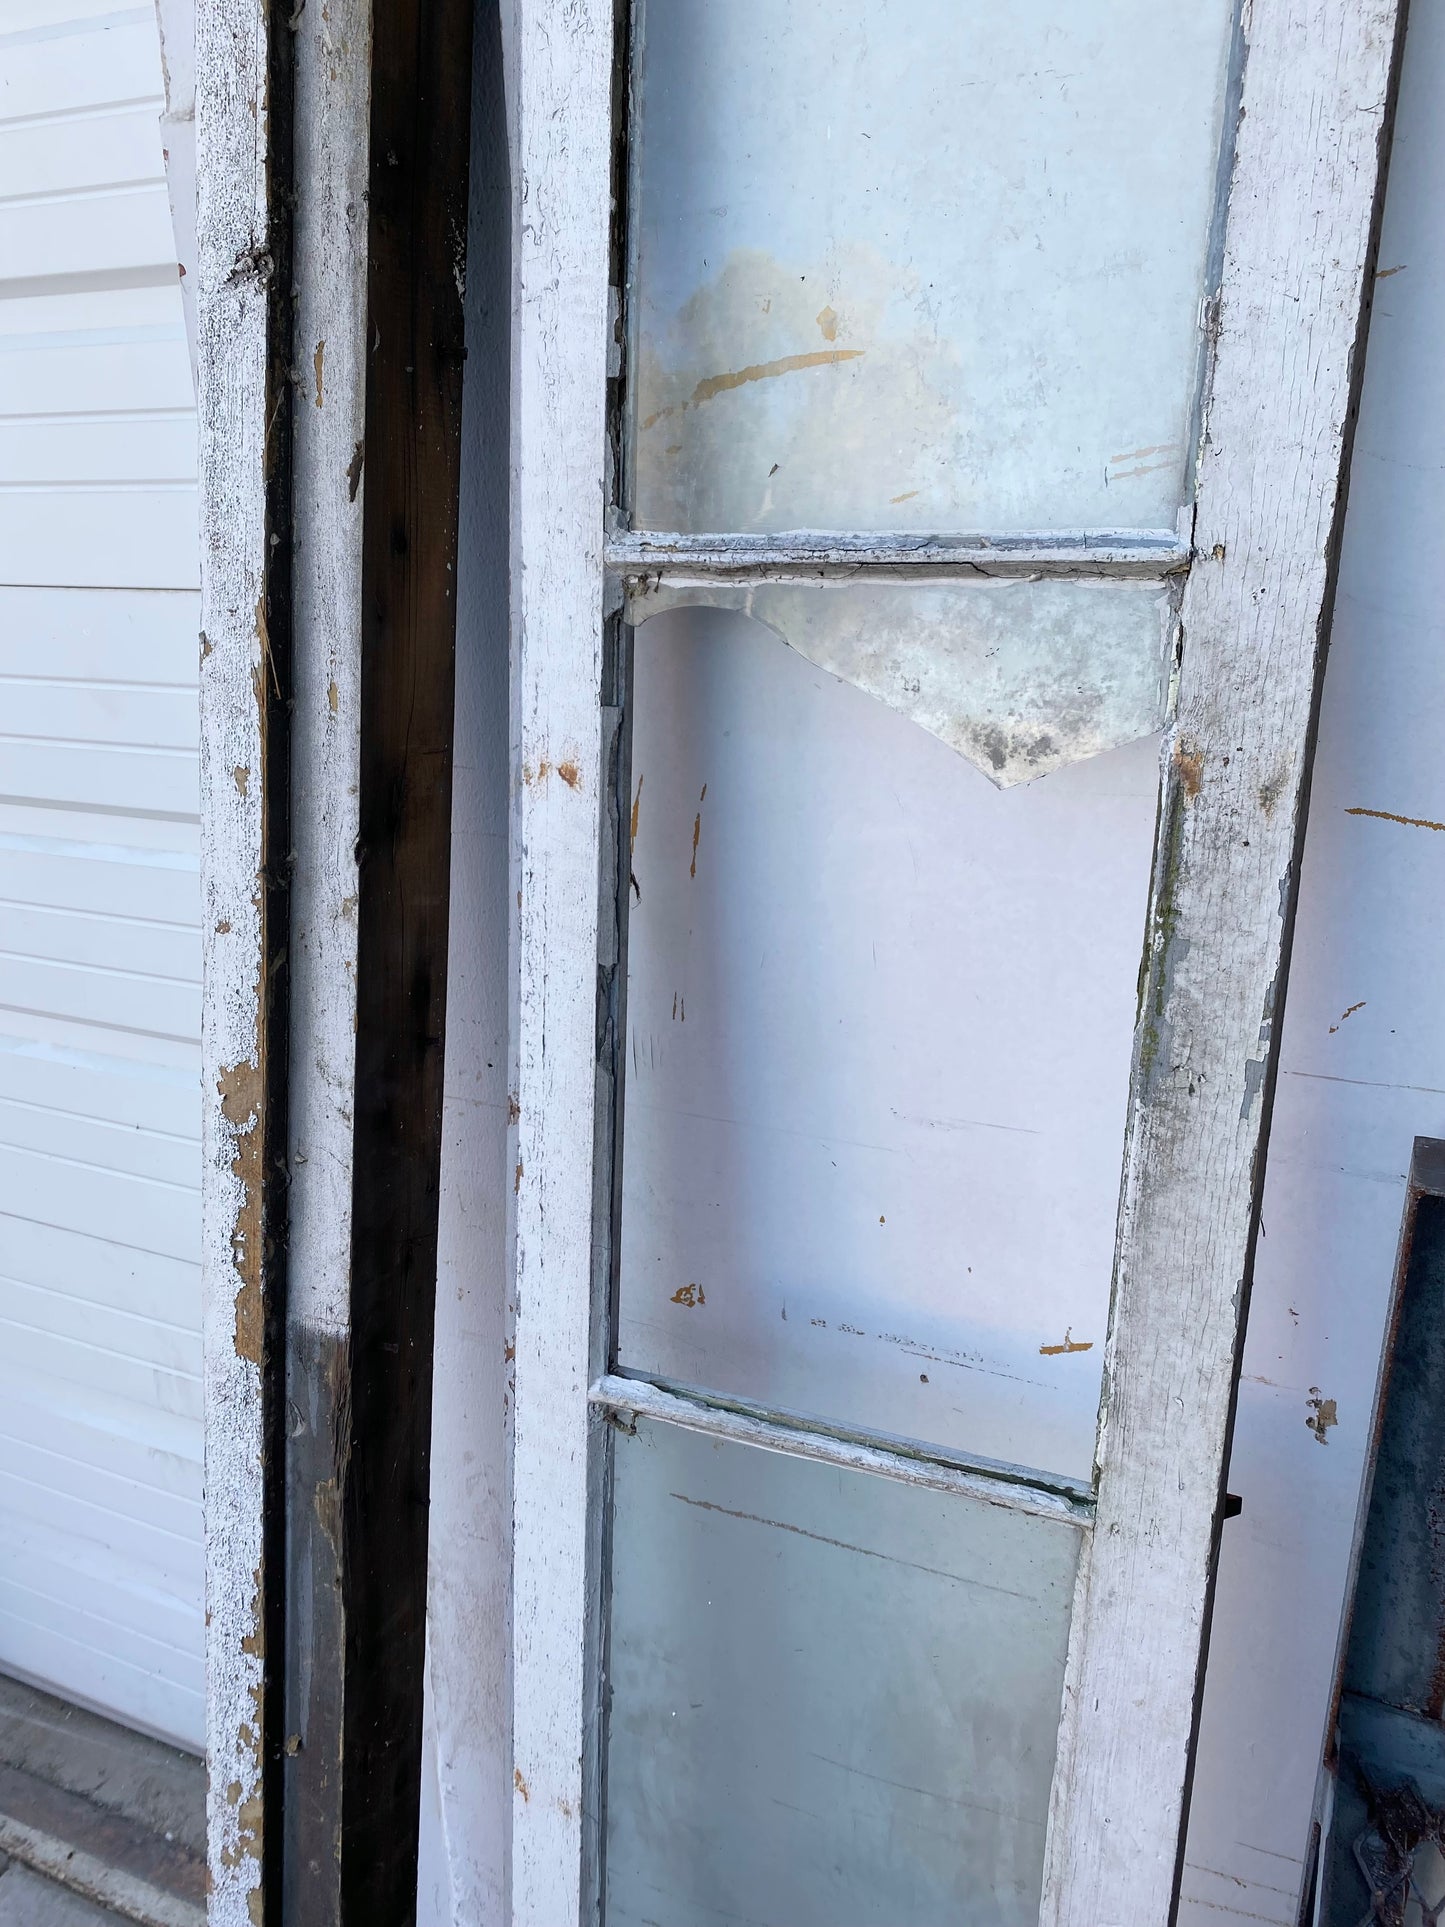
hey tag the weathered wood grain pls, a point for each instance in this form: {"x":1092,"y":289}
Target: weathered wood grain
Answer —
{"x":804,"y":555}
{"x":416,"y":262}
{"x":336,"y":451}
{"x":243,"y":139}
{"x":1299,"y":240}
{"x":332,"y":160}
{"x":561,"y":84}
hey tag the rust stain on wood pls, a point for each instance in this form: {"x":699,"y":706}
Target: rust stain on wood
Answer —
{"x":1189,"y":762}
{"x":570,"y":774}
{"x":520,"y":1784}
{"x":689,"y":1295}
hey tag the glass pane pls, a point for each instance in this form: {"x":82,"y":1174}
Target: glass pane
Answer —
{"x":834,"y":1698}
{"x":880,"y":1020}
{"x":1020,"y":677}
{"x":920,"y":264}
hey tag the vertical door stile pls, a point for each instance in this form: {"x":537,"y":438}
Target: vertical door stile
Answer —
{"x":1299,"y":247}
{"x":243,"y":144}
{"x":562,"y":89}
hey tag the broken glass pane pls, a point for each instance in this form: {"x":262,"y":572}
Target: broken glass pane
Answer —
{"x":920,"y":264}
{"x":834,"y":1698}
{"x":880,"y":1016}
{"x":1020,"y":677}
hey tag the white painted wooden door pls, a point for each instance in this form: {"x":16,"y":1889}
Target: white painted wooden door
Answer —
{"x":100,"y":1397}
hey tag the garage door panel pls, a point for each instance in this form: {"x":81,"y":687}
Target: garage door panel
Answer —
{"x":52,"y":375}
{"x":138,"y":1100}
{"x":160,"y":449}
{"x":50,"y":1468}
{"x":173,"y":1560}
{"x":115,"y":1147}
{"x":151,"y":717}
{"x":120,"y":227}
{"x":101,"y":881}
{"x":139,"y":1212}
{"x":143,"y":538}
{"x":119,"y":144}
{"x":63,"y":1259}
{"x":114,"y":999}
{"x":106,"y":635}
{"x":108,"y":1414}
{"x":101,"y":1544}
{"x":164,"y":782}
{"x":142,"y":1696}
{"x":131,"y":1646}
{"x":107,"y":942}
{"x":122,"y":1333}
{"x":45,"y":1412}
{"x":55,"y":70}
{"x":92,"y":1368}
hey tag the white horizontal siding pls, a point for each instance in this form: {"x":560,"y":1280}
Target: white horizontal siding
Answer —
{"x":100,"y":1390}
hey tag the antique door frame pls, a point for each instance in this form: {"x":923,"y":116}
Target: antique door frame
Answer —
{"x":1285,"y":334}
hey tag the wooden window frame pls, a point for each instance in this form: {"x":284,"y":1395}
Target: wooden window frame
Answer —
{"x":1285,"y":331}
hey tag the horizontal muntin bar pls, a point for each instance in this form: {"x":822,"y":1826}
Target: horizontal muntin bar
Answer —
{"x":909,"y":1462}
{"x":806,"y":555}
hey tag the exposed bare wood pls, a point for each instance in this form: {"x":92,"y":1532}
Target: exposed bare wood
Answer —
{"x":421,"y":72}
{"x":748,"y":1424}
{"x":1299,"y":242}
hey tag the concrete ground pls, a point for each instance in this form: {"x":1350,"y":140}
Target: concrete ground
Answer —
{"x":28,"y":1901}
{"x":96,"y":1822}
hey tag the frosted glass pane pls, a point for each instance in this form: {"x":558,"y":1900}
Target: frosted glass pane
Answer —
{"x":880,"y":1016}
{"x":834,"y":1699}
{"x":1020,"y":677}
{"x":920,"y":264}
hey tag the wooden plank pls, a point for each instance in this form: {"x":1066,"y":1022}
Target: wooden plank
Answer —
{"x":1299,"y":244}
{"x":243,"y":145}
{"x":562,"y":85}
{"x":332,"y":158}
{"x":417,"y":205}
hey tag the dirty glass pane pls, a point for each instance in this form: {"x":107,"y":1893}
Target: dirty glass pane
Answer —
{"x":834,"y":1698}
{"x":1020,"y":677}
{"x":920,"y":264}
{"x":880,"y":1015}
